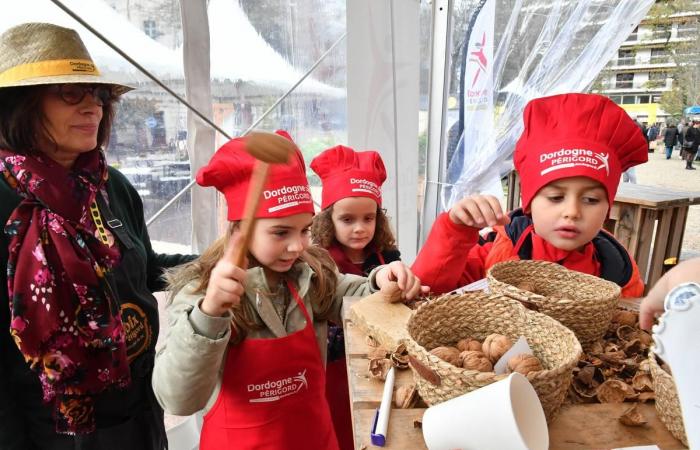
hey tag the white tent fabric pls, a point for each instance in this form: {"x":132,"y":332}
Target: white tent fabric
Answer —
{"x":238,"y":52}
{"x":159,"y":59}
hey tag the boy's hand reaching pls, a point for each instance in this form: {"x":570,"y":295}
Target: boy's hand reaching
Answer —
{"x":226,"y":283}
{"x":478,"y":211}
{"x":400,"y":274}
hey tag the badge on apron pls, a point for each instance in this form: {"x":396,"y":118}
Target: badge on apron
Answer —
{"x":137,"y":330}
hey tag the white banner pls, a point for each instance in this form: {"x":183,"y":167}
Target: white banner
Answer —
{"x":477,"y":105}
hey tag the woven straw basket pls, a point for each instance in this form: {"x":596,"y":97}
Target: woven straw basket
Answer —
{"x":583,"y":303}
{"x":449,"y":318}
{"x":668,"y":406}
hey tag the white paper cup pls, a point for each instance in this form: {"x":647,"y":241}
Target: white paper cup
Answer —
{"x":502,"y":415}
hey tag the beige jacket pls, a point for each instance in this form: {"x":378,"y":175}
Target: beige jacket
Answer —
{"x":188,"y":369}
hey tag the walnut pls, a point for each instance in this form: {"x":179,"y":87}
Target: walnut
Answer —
{"x":406,"y":396}
{"x":524,"y":364}
{"x":623,"y":317}
{"x":475,"y":360}
{"x":469,"y":344}
{"x":614,"y":391}
{"x":633,"y":418}
{"x":448,"y":354}
{"x":399,"y":357}
{"x":527,"y":286}
{"x":495,"y":346}
{"x":379,"y":367}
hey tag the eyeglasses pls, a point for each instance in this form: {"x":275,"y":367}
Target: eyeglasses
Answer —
{"x":73,"y":94}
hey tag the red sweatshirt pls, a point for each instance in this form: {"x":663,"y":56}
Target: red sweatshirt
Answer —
{"x":454,"y":256}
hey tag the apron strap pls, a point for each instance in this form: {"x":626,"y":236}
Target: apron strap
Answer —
{"x":299,"y":301}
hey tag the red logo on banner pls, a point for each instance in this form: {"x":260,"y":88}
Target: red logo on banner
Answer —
{"x":479,"y":58}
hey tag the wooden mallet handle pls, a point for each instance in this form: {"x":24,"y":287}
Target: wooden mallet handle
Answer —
{"x":257,"y":184}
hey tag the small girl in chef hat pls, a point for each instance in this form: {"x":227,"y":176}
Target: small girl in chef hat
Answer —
{"x":247,"y":344}
{"x":354,"y":229}
{"x":570,"y":156}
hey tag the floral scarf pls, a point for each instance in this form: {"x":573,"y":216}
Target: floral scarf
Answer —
{"x":64,"y":316}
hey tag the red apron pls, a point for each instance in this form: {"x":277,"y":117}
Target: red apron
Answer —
{"x":272,"y":395}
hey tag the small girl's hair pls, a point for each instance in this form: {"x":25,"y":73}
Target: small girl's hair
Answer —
{"x":323,"y":231}
{"x":322,"y":290}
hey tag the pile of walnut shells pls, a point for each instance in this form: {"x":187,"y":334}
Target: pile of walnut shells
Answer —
{"x":615,"y":369}
{"x":471,"y":354}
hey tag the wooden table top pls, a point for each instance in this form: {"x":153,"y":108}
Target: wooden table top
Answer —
{"x":655,"y":196}
{"x":576,"y":427}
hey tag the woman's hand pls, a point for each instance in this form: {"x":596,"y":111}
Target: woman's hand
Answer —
{"x":400,"y":274}
{"x":478,"y":211}
{"x":226,"y":284}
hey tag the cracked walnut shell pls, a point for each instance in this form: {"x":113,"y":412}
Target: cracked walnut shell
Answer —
{"x":406,"y":396}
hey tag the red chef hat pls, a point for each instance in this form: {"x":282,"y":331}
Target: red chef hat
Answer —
{"x":347,"y":173}
{"x":572,"y":135}
{"x":286,"y":190}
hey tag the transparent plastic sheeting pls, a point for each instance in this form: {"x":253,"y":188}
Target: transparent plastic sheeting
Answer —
{"x":542,"y":48}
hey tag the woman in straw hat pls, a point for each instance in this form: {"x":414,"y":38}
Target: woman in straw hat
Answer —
{"x":76,"y":265}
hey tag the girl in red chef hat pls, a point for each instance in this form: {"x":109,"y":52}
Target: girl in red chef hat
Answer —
{"x":354,"y":229}
{"x":570,"y":156}
{"x":248,"y":344}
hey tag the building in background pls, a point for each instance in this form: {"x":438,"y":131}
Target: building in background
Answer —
{"x":647,"y":62}
{"x":159,"y":19}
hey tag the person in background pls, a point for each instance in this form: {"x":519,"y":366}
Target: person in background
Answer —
{"x":670,"y":139}
{"x":79,"y":320}
{"x":691,"y":141}
{"x":569,"y":157}
{"x":354,"y":229}
{"x":248,"y":345}
{"x":653,"y":132}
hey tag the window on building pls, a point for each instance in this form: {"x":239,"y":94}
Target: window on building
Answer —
{"x":643,"y":99}
{"x":625,"y":57}
{"x":659,"y":55}
{"x":628,"y":99}
{"x":149,"y":27}
{"x":624,"y":80}
{"x":656,"y":99}
{"x":657,"y":79}
{"x":616,"y":98}
{"x":661,"y":31}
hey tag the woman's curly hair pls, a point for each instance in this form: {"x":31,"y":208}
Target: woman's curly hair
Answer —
{"x":323,"y":231}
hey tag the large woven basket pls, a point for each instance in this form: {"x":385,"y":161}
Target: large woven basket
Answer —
{"x":668,"y":405}
{"x":581,"y":302}
{"x":446,"y":320}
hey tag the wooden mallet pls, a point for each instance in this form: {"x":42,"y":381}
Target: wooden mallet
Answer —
{"x":267,"y":148}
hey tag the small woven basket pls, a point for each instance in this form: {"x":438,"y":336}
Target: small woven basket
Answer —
{"x":668,"y":405}
{"x":583,"y":303}
{"x":447,"y":319}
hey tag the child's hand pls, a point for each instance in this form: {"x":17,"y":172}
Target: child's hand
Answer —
{"x":225,"y":284}
{"x":478,"y":211}
{"x":407,"y":282}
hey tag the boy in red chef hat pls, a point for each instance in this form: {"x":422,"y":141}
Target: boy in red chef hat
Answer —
{"x":247,"y":343}
{"x":570,"y":156}
{"x":354,"y":229}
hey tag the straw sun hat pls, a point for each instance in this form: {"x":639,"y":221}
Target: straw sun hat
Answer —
{"x":35,"y":54}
